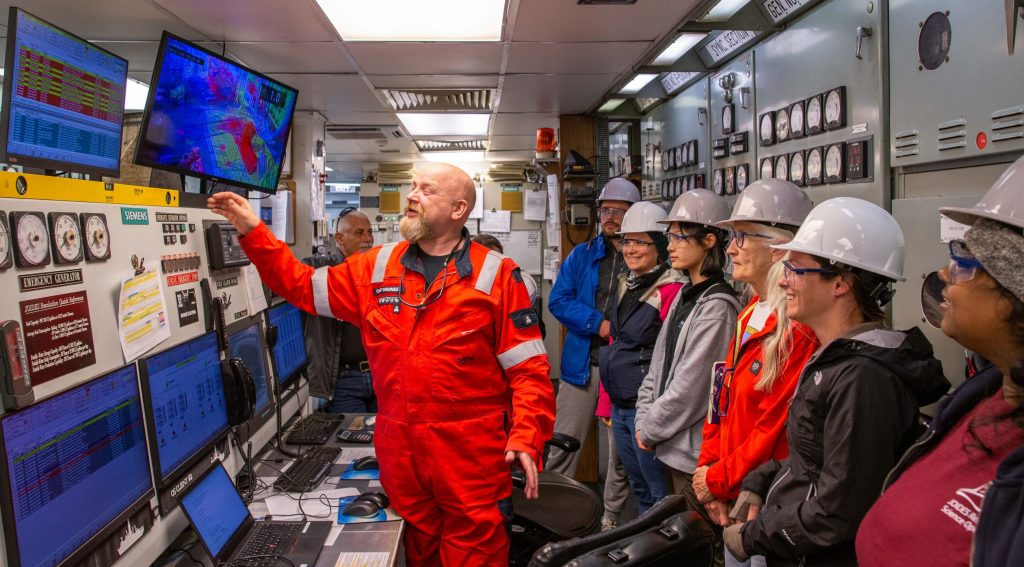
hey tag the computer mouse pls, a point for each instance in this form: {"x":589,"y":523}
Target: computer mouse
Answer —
{"x":362,"y":509}
{"x":365,"y":464}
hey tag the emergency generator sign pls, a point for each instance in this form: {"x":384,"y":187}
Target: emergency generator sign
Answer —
{"x":58,"y":335}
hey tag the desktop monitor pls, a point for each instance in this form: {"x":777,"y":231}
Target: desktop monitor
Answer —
{"x":247,"y":342}
{"x":290,"y":350}
{"x":211,"y":118}
{"x":74,"y":470}
{"x":185,"y":410}
{"x":63,"y":100}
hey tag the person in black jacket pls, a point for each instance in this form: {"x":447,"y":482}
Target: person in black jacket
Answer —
{"x":964,"y":479}
{"x":856,"y":404}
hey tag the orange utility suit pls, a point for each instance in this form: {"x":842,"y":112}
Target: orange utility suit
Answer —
{"x":459,"y":382}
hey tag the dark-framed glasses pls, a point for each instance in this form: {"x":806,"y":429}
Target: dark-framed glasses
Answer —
{"x":636,"y":243}
{"x":792,"y":272}
{"x":740,"y":237}
{"x":963,"y":265}
{"x":680,"y":237}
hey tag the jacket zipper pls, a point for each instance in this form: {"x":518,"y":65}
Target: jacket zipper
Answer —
{"x":928,"y":436}
{"x":775,"y":484}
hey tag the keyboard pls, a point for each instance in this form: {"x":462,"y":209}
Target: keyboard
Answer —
{"x":268,"y":539}
{"x":307,"y":471}
{"x":314,"y":429}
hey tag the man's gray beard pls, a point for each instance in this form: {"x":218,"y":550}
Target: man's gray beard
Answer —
{"x":414,"y":229}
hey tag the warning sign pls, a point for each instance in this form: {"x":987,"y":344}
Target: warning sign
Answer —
{"x":58,"y":335}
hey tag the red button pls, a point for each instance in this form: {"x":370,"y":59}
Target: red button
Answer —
{"x":981,"y":140}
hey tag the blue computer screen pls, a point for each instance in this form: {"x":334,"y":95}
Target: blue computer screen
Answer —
{"x":186,"y":398}
{"x":246,"y":344}
{"x":66,"y":99}
{"x":215,"y":509}
{"x":209,"y":117}
{"x":75,"y":462}
{"x":290,"y":350}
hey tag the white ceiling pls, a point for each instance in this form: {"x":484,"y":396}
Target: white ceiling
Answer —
{"x":556,"y":57}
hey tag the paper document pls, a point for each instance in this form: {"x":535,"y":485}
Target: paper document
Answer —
{"x":254,"y":289}
{"x":496,"y":221}
{"x":551,"y":261}
{"x":141,"y":315}
{"x":536,"y":206}
{"x":364,"y":559}
{"x":478,"y":207}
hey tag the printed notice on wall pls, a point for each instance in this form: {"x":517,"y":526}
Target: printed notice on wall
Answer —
{"x":141,"y":315}
{"x":58,"y":335}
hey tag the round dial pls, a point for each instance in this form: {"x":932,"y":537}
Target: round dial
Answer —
{"x":814,"y":114}
{"x":782,"y":167}
{"x":796,"y":119}
{"x":833,"y":107}
{"x":796,"y":168}
{"x":31,"y":238}
{"x":727,"y":118}
{"x":5,"y":242}
{"x":97,"y":237}
{"x":833,"y":162}
{"x":767,"y":128}
{"x":679,"y":156}
{"x":730,"y":181}
{"x":67,"y":237}
{"x":664,"y":161}
{"x":782,"y":125}
{"x":814,"y":164}
{"x":741,"y":177}
{"x":717,"y":181}
{"x":766,"y":168}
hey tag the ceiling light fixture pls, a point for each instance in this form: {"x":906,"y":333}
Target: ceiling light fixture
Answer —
{"x":611,"y":104}
{"x":444,"y":124}
{"x":135,"y":95}
{"x":723,"y":11}
{"x":415,"y":20}
{"x":638,"y":82}
{"x":678,"y":48}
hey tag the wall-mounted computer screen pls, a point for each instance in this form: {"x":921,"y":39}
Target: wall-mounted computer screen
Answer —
{"x":63,"y":100}
{"x":74,"y":469}
{"x":290,"y":350}
{"x":247,"y":343}
{"x":185,"y":409}
{"x":212,"y":118}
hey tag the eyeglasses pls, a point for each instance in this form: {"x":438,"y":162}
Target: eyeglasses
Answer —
{"x":430,"y":299}
{"x":610,"y":212}
{"x":680,"y":237}
{"x":740,"y":237}
{"x":793,"y":271}
{"x":637,"y":243}
{"x":962,"y":264}
{"x":341,"y":215}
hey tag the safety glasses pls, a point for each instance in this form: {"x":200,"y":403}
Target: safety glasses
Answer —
{"x":610,"y":212}
{"x":633,"y":243}
{"x":740,"y":237}
{"x":792,"y":272}
{"x":962,"y":264}
{"x":680,"y":237}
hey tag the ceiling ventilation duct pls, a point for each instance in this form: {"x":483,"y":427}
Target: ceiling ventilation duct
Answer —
{"x":340,"y":132}
{"x":451,"y":145}
{"x":395,"y":172}
{"x":467,"y":100}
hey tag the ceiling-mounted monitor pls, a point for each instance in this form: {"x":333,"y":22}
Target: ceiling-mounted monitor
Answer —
{"x":63,"y":100}
{"x":211,"y":118}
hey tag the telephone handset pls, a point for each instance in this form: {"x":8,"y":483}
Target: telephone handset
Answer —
{"x":14,"y":376}
{"x":239,"y":390}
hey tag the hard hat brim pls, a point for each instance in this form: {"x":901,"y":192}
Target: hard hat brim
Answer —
{"x":792,"y":246}
{"x":971,"y":215}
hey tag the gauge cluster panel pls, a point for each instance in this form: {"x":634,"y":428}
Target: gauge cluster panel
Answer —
{"x":732,"y":132}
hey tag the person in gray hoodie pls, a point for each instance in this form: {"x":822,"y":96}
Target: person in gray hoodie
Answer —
{"x":673,"y":399}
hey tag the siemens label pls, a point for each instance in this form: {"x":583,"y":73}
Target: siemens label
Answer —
{"x":131,"y":215}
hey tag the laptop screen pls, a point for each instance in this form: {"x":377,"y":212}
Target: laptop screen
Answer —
{"x":215,"y":509}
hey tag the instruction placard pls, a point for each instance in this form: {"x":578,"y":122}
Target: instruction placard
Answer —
{"x":141,"y":315}
{"x":58,"y":335}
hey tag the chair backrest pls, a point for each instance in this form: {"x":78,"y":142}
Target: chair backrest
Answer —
{"x":558,"y":494}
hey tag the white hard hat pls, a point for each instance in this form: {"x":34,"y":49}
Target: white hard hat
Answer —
{"x":643,"y":217}
{"x":853,"y":232}
{"x":770,"y":201}
{"x":1004,"y":202}
{"x":619,"y":189}
{"x":698,"y":206}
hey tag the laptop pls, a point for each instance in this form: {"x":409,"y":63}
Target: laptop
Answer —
{"x":229,"y":533}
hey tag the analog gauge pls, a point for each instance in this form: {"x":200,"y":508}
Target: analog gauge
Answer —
{"x":813,"y":166}
{"x":678,"y":151}
{"x":31,"y":250}
{"x":686,"y":153}
{"x":66,"y":238}
{"x":741,"y":177}
{"x":796,"y":168}
{"x":97,"y":237}
{"x":693,"y":152}
{"x":766,"y":132}
{"x":813,"y":114}
{"x":730,"y":180}
{"x":5,"y":243}
{"x":782,"y":125}
{"x":782,"y":167}
{"x":835,"y":108}
{"x":727,"y":119}
{"x":834,"y":164}
{"x":767,"y":168}
{"x":664,"y":161}
{"x":796,"y":120}
{"x":718,"y":182}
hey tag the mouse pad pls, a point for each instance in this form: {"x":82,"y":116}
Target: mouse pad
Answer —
{"x":352,"y":474}
{"x":385,"y":515}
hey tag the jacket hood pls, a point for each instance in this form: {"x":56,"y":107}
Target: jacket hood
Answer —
{"x":907,"y":354}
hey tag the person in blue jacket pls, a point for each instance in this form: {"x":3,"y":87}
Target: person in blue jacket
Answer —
{"x":581,"y":300}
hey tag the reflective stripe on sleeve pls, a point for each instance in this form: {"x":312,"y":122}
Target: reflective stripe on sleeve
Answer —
{"x":380,"y":265}
{"x":520,"y":353}
{"x":320,"y":299}
{"x":489,"y":271}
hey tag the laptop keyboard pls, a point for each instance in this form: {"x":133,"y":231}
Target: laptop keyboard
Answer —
{"x":314,"y":429}
{"x":308,"y":470}
{"x":268,"y":540}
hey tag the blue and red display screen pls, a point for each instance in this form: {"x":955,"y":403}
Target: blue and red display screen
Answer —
{"x":211,"y":118}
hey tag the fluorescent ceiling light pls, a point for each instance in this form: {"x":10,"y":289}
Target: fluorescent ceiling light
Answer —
{"x":611,"y":105}
{"x":454,"y":157}
{"x":328,"y":168}
{"x":723,"y":11}
{"x":416,"y":20}
{"x":678,"y":48}
{"x":640,"y":81}
{"x":135,"y":95}
{"x":444,"y":124}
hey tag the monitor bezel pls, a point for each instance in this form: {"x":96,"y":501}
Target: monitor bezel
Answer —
{"x":289,"y":381}
{"x":101,"y":535}
{"x":148,"y":112}
{"x":167,"y":481}
{"x":232,"y":330}
{"x":32,"y":161}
